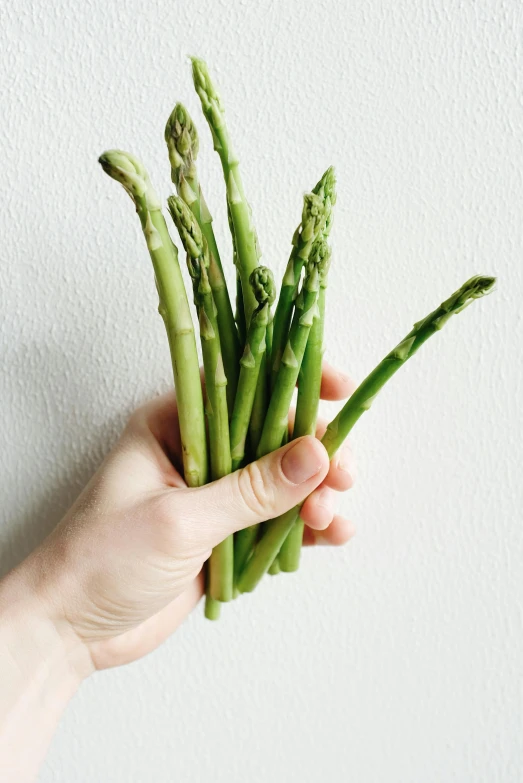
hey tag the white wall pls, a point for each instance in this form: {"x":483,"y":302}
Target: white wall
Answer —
{"x":396,"y":659}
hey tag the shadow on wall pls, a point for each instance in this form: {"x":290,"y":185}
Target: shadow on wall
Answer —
{"x":56,"y":447}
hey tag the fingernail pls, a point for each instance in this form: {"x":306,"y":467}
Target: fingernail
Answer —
{"x":301,"y":463}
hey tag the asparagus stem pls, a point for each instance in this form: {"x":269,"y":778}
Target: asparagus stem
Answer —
{"x":262,"y":283}
{"x":213,"y":608}
{"x":182,"y":144}
{"x":316,"y":218}
{"x":276,"y":421}
{"x":309,"y":384}
{"x":244,"y":233}
{"x":361,"y":400}
{"x":173,"y":307}
{"x":275,"y":568}
{"x":240,"y":311}
{"x":221,"y":561}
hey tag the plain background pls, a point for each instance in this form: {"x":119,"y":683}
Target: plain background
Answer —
{"x":398,"y":658}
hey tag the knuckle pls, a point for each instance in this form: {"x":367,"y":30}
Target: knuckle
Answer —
{"x":255,"y":490}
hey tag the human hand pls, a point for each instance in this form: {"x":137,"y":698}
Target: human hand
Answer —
{"x":124,"y":567}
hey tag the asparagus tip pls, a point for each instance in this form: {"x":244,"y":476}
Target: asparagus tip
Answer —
{"x":182,"y":141}
{"x":263,"y":286}
{"x":326,"y":186}
{"x":130,"y":172}
{"x":475,"y":288}
{"x":188,"y":228}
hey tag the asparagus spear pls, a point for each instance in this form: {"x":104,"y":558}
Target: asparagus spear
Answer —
{"x":182,"y":144}
{"x":173,"y":307}
{"x":276,"y":421}
{"x":221,"y":562}
{"x":316,"y":218}
{"x":262,"y":283}
{"x":309,"y":384}
{"x":244,"y":233}
{"x":360,"y":401}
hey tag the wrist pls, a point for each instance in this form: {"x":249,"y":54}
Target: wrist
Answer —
{"x":33,"y":622}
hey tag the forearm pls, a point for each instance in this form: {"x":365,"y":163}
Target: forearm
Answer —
{"x":41,"y":667}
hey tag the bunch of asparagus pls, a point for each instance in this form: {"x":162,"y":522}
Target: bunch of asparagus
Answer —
{"x":252,"y":359}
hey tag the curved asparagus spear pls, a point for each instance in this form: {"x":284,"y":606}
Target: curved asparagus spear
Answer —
{"x":309,"y":385}
{"x":182,"y":144}
{"x":174,"y":309}
{"x":361,"y":400}
{"x":221,"y":562}
{"x":262,"y":283}
{"x":244,"y":233}
{"x":316,"y":218}
{"x":276,"y":421}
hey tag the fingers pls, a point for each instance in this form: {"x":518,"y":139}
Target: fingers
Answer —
{"x":342,"y":468}
{"x":159,"y":417}
{"x":318,"y":510}
{"x":335,"y":385}
{"x":263,"y":490}
{"x":339,"y":532}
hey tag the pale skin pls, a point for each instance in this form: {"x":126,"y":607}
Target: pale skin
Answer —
{"x":123,"y":568}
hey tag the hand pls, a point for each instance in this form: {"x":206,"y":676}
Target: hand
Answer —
{"x":124,"y":567}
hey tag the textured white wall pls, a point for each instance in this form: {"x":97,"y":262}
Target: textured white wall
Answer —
{"x":395,"y":659}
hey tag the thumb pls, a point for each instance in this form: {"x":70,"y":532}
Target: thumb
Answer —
{"x":260,"y":491}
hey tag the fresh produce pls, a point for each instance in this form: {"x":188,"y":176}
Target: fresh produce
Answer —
{"x":182,"y":145}
{"x":252,"y":360}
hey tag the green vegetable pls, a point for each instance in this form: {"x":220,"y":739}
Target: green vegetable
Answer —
{"x":221,"y":562}
{"x":173,"y":307}
{"x":316,"y":220}
{"x":262,"y":283}
{"x":182,"y":144}
{"x":361,"y":400}
{"x":275,"y":425}
{"x":309,"y":386}
{"x":245,"y":238}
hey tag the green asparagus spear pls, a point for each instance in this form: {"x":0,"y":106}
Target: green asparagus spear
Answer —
{"x":276,"y":421}
{"x":240,"y":311}
{"x":316,"y":218}
{"x":262,"y":283}
{"x":244,"y":233}
{"x":326,"y":189}
{"x":182,"y":144}
{"x":361,"y":400}
{"x":309,"y":384}
{"x":174,"y":309}
{"x":221,"y":562}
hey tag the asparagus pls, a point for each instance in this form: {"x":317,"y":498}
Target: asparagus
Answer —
{"x":276,"y":421}
{"x":221,"y":561}
{"x":316,"y":218}
{"x":309,"y":385}
{"x":173,"y":307}
{"x":262,"y":283}
{"x":360,"y":401}
{"x":240,"y":311}
{"x":244,"y":233}
{"x":182,"y":145}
